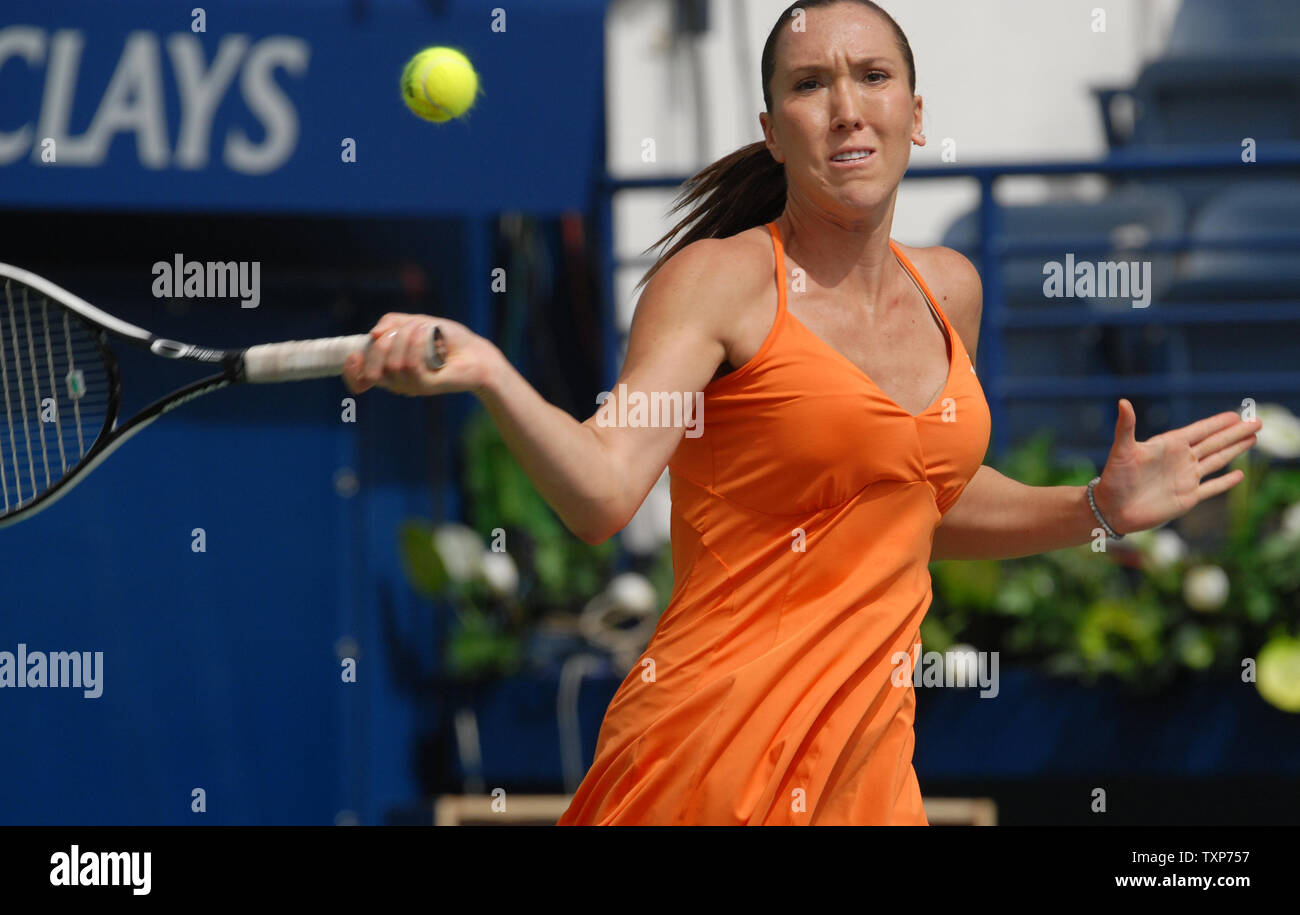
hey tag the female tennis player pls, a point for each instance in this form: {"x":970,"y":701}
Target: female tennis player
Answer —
{"x":844,"y":428}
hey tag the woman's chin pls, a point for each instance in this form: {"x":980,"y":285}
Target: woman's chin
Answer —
{"x":863,"y":204}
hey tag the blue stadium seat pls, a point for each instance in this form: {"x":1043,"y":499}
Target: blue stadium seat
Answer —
{"x":1230,"y":70}
{"x":1220,"y":98}
{"x":1215,"y":26}
{"x":1124,"y":221}
{"x":1207,"y":86}
{"x":1239,"y":213}
{"x":1227,"y":278}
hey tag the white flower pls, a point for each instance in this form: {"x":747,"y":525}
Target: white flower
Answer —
{"x":633,"y":594}
{"x":1291,"y":520}
{"x":1279,"y":436}
{"x":629,"y":598}
{"x":1166,"y":549}
{"x":1205,"y":588}
{"x":500,"y":573}
{"x":460,"y":548}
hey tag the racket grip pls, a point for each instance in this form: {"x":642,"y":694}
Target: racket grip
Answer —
{"x":299,"y":360}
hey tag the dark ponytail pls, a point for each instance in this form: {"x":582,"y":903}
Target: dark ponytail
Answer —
{"x":747,"y":188}
{"x":741,"y":190}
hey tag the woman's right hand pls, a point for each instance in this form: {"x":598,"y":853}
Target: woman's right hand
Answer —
{"x":395,"y":360}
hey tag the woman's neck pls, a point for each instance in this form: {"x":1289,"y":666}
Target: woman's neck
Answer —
{"x":853,"y":258}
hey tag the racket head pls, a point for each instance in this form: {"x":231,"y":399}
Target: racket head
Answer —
{"x":61,"y":390}
{"x":60,"y":394}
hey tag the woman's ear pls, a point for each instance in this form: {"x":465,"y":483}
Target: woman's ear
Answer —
{"x":769,"y":136}
{"x":918,"y":122}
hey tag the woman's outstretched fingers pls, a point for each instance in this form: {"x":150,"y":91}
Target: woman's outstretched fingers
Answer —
{"x":1203,"y":429}
{"x":1224,"y":455}
{"x":1232,"y":432}
{"x":1211,"y":488}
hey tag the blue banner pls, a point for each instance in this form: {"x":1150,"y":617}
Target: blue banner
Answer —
{"x":295,"y":107}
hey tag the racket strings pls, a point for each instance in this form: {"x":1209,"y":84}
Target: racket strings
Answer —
{"x":54,"y":390}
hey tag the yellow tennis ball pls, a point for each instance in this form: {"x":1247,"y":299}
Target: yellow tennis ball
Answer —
{"x":439,"y":84}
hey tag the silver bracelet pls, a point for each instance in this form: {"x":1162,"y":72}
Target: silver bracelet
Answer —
{"x":1110,"y":531}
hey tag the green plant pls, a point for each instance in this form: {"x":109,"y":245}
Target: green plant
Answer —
{"x":564,"y":569}
{"x":467,"y":568}
{"x":1150,"y":607}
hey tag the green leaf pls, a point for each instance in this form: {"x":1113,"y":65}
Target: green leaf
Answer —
{"x":476,"y":649}
{"x":420,"y":561}
{"x":1119,"y":637}
{"x":1260,"y":603}
{"x":971,"y":585}
{"x":567,"y":571}
{"x":934,"y":636}
{"x":1194,"y":646}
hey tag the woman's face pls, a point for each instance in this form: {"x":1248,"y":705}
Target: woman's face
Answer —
{"x":841,"y":84}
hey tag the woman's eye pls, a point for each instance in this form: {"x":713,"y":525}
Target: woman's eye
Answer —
{"x":873,"y":76}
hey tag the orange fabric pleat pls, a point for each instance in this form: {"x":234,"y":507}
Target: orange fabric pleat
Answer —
{"x":802,"y":522}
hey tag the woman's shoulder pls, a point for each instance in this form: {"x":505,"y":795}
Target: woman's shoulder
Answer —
{"x":716,"y":281}
{"x":731,"y":268}
{"x":746,"y":250}
{"x":956,"y":285}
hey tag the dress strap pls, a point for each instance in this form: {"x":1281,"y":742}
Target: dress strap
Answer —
{"x":781,"y":281}
{"x":920,"y":283}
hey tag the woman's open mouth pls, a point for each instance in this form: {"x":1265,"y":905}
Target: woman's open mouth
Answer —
{"x":852,"y":158}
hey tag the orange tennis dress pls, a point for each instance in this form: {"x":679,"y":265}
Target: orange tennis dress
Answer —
{"x":773,"y":690}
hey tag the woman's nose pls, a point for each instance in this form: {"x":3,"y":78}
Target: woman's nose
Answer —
{"x":846,"y":107}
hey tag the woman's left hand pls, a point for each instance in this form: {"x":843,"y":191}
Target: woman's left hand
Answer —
{"x":1145,"y":484}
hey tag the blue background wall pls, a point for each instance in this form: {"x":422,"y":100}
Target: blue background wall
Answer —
{"x":528,"y":144}
{"x":221,"y":669}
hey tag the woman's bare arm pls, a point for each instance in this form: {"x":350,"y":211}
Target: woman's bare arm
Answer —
{"x":595,"y":477}
{"x":997,"y":518}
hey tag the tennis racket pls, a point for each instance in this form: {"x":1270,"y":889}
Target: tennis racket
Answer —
{"x":62,"y":391}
